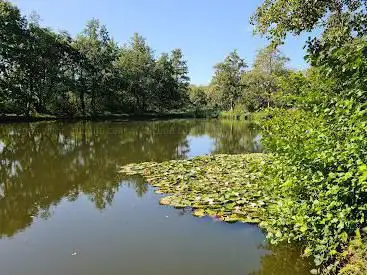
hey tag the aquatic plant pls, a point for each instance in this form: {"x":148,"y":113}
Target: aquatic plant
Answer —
{"x":226,"y":187}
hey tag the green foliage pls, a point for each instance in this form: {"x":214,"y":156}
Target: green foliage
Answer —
{"x":319,"y":177}
{"x":290,"y":89}
{"x":262,"y":82}
{"x":251,"y":90}
{"x":42,"y":71}
{"x":239,"y":112}
{"x":356,"y":256}
{"x":278,"y":18}
{"x":227,"y":187}
{"x":198,"y":96}
{"x":227,"y":80}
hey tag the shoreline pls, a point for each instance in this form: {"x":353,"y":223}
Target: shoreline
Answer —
{"x":123,"y":117}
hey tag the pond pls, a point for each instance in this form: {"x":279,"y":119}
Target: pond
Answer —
{"x":64,"y":209}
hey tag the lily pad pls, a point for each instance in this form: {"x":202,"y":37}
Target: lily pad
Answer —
{"x":228,"y":187}
{"x":199,"y":213}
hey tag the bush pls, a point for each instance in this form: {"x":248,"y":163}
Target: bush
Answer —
{"x":68,"y":104}
{"x":239,"y":112}
{"x":319,"y":175}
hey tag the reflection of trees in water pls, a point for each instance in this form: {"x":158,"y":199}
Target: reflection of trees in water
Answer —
{"x":285,"y":260}
{"x":42,"y":163}
{"x":138,"y":184}
{"x":230,"y":136}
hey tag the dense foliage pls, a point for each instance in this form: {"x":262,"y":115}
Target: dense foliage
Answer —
{"x":226,"y":187}
{"x":237,"y":90}
{"x":42,"y":71}
{"x":227,"y":80}
{"x":319,"y":173}
{"x":317,"y":130}
{"x":317,"y":176}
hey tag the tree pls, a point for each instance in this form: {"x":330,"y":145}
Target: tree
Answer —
{"x":99,"y":50}
{"x":291,"y":87}
{"x":319,"y":170}
{"x":227,"y":79}
{"x":278,"y":18}
{"x":136,"y":63}
{"x":166,"y":92}
{"x":261,"y":83}
{"x":198,"y":96}
{"x":12,"y":44}
{"x":42,"y":71}
{"x":46,"y":59}
{"x":180,"y":74}
{"x":338,"y":21}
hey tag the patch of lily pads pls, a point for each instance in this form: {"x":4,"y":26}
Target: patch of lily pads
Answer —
{"x":226,"y":187}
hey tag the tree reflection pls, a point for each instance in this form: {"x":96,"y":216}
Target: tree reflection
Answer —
{"x":44,"y":163}
{"x":138,"y":184}
{"x":230,"y":136}
{"x":285,"y":260}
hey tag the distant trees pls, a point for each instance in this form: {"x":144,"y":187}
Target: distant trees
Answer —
{"x":180,"y":71}
{"x":227,"y":80}
{"x":96,"y":75}
{"x":199,"y":96}
{"x":45,"y":72}
{"x":52,"y":73}
{"x":262,"y":82}
{"x":233,"y":85}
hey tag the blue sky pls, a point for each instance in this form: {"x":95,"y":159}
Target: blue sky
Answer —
{"x":206,"y":30}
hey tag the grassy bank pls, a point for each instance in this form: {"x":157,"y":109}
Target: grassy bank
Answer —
{"x":254,"y":116}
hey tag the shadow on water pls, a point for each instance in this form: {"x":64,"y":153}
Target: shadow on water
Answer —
{"x":283,"y":259}
{"x":43,"y":164}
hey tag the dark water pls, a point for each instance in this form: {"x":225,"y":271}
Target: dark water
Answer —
{"x":65,"y":210}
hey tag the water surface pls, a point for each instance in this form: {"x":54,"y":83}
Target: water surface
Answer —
{"x":65,"y":210}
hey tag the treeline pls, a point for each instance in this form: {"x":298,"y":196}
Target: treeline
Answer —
{"x":45,"y":72}
{"x":237,"y":88}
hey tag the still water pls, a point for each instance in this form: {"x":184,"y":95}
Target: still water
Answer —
{"x":65,"y":210}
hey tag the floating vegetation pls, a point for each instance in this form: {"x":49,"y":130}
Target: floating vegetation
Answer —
{"x":226,"y":187}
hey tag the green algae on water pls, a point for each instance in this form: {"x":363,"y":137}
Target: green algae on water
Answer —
{"x":227,"y":187}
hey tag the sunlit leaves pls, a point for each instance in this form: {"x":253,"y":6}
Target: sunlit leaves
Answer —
{"x":227,"y":187}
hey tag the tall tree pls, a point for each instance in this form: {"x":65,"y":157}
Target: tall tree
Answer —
{"x":337,"y":20}
{"x":198,"y":96}
{"x":12,"y":50}
{"x":166,"y":94}
{"x":227,"y":79}
{"x":278,"y":18}
{"x":180,"y":73}
{"x":42,"y":71}
{"x":136,"y":63}
{"x":262,"y":81}
{"x":99,"y":50}
{"x":331,"y":153}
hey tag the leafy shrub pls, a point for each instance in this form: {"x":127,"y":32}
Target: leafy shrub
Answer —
{"x":68,"y":104}
{"x":319,"y":173}
{"x":239,"y":112}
